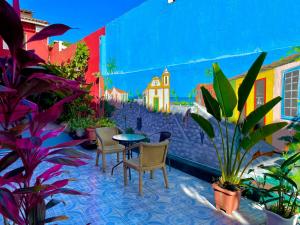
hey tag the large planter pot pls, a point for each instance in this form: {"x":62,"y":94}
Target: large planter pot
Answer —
{"x":226,"y":200}
{"x":275,"y":219}
{"x":91,"y":134}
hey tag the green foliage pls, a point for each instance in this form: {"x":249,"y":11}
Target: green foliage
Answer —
{"x":76,"y":67}
{"x":129,"y":130}
{"x":249,"y":80}
{"x":104,"y":122}
{"x":81,"y":123}
{"x":111,"y":66}
{"x":282,"y":198}
{"x":235,"y":148}
{"x":108,"y":109}
{"x":224,"y":92}
{"x":72,"y":70}
{"x":183,"y":103}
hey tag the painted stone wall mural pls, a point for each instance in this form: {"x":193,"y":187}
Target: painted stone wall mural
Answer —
{"x":156,"y":57}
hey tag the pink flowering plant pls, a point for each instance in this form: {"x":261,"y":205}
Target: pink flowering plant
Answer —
{"x":25,"y":192}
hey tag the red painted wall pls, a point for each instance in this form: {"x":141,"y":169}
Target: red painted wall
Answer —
{"x":40,"y":47}
{"x":93,"y":43}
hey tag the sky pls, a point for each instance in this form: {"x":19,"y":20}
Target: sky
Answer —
{"x":87,"y":16}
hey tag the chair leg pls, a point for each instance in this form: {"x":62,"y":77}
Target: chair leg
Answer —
{"x":165,"y":176}
{"x":118,"y":157}
{"x":151,"y":174}
{"x":97,"y":158}
{"x":141,"y":183}
{"x":125,"y":175}
{"x":103,"y":162}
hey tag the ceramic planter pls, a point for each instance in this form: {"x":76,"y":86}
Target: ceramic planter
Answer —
{"x":275,"y":219}
{"x":226,"y":200}
{"x":91,"y":134}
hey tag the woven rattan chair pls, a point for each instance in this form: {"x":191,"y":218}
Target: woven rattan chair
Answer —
{"x":106,"y":145}
{"x":152,"y":156}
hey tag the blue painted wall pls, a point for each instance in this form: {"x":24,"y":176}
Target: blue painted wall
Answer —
{"x":189,"y":35}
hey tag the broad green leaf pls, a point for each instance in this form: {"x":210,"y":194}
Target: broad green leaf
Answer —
{"x":224,"y":91}
{"x":248,"y":82}
{"x":211,"y":104}
{"x":204,"y":124}
{"x":254,"y":137}
{"x":255,"y":116}
{"x":273,"y":169}
{"x":291,"y":160}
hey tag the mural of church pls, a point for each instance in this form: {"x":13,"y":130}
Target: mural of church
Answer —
{"x":157,"y":94}
{"x":116,"y":94}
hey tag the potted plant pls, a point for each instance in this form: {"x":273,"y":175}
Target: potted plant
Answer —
{"x":96,"y":123}
{"x":79,"y":125}
{"x":281,"y":199}
{"x":232,"y":154}
{"x":27,"y":193}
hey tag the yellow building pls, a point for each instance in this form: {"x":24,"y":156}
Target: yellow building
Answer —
{"x":268,"y":85}
{"x":157,"y":93}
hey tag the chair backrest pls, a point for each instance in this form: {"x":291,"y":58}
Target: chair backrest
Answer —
{"x":164,"y":135}
{"x":105,"y":135}
{"x":152,"y":154}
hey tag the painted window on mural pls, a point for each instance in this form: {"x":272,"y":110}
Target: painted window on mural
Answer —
{"x":291,"y":80}
{"x":260,"y":91}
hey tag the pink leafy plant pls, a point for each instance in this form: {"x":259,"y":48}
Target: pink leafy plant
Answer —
{"x":24,"y":195}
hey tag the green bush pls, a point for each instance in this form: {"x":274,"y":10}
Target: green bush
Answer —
{"x":104,"y":122}
{"x":81,"y":123}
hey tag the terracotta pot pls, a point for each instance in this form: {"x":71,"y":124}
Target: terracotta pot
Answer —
{"x":226,"y":200}
{"x":275,"y":219}
{"x":91,"y":134}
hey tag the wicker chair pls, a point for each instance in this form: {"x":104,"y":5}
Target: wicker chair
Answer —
{"x":106,"y":145}
{"x":152,"y":156}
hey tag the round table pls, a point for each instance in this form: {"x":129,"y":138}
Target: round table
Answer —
{"x":127,"y":140}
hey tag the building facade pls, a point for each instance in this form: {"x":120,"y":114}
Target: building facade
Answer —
{"x":157,"y":93}
{"x":31,"y":26}
{"x":116,"y":95}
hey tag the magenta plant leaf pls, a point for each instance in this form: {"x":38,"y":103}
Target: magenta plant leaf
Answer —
{"x":28,"y":58}
{"x":4,"y":90}
{"x":16,"y":5}
{"x":49,"y":31}
{"x":55,"y":218}
{"x":49,"y":173}
{"x":68,"y":144}
{"x":52,"y":114}
{"x":11,"y":29}
{"x":67,"y":191}
{"x":53,"y":202}
{"x":70,"y":152}
{"x":8,"y":160}
{"x":53,"y":133}
{"x":9,"y":207}
{"x":66,"y":161}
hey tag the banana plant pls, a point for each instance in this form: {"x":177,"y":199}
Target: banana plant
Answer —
{"x":234,"y":149}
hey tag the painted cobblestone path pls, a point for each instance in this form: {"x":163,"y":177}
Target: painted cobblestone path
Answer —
{"x":187,"y":201}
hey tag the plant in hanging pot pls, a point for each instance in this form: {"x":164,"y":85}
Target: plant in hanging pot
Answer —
{"x":233,"y":153}
{"x":281,"y":199}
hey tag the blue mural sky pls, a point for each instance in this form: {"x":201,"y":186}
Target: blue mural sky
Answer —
{"x":189,"y":35}
{"x":87,"y":16}
{"x":184,"y":78}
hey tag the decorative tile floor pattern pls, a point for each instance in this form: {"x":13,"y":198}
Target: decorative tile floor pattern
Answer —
{"x":187,"y":201}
